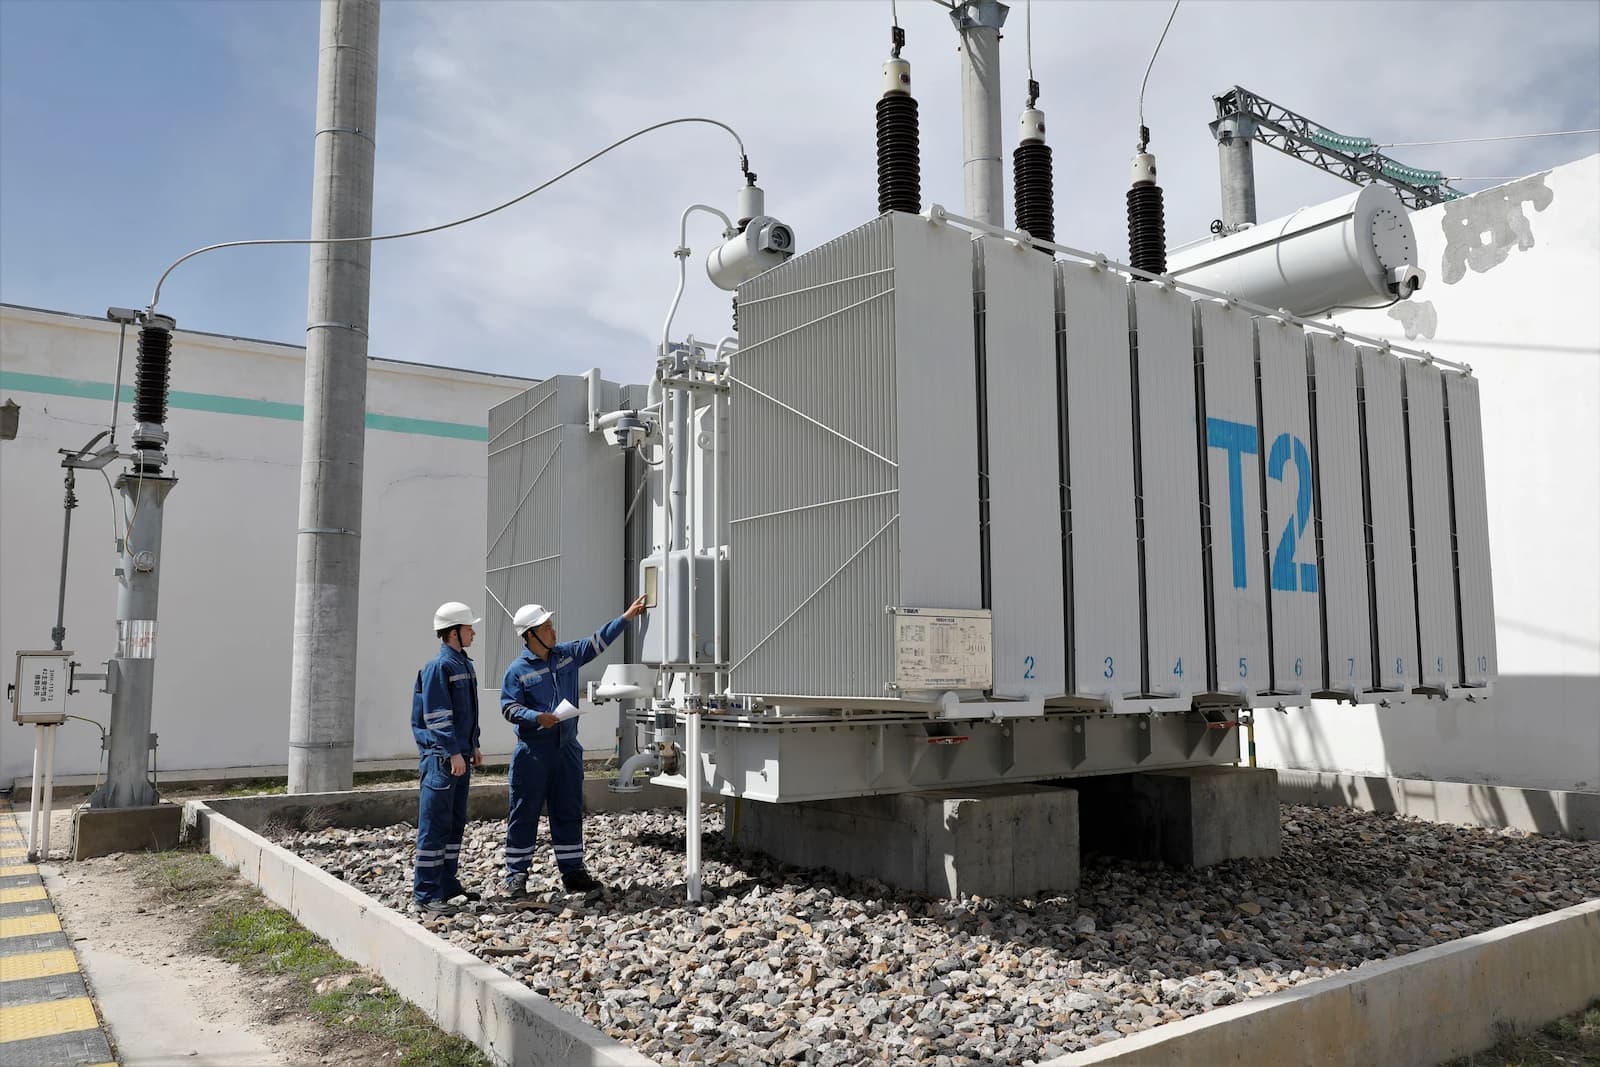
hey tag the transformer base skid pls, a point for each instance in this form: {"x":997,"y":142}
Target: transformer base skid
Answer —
{"x":784,"y":762}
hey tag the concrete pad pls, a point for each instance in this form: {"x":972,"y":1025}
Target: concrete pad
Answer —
{"x":102,"y":831}
{"x":1411,"y":1011}
{"x":1192,"y":817}
{"x":990,"y":841}
{"x":1559,"y":813}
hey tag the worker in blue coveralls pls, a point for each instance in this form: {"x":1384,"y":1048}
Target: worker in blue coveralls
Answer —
{"x":444,"y":722}
{"x":547,"y":764}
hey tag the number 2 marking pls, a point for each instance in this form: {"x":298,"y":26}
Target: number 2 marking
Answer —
{"x":1028,"y":672}
{"x":1285,"y":575}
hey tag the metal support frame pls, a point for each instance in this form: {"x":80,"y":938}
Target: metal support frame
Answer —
{"x":784,"y":760}
{"x":1295,"y":135}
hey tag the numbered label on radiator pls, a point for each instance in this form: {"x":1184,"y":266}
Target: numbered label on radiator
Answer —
{"x":938,"y":649}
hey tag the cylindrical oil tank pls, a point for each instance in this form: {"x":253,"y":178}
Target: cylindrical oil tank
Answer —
{"x":1357,"y":251}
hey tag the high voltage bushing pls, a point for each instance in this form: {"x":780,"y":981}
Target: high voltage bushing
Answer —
{"x":151,"y":375}
{"x":1032,"y":176}
{"x":1147,"y":226}
{"x":899,"y":147}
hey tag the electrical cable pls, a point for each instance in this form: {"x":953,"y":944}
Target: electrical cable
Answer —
{"x":116,"y":531}
{"x":1474,"y":140}
{"x":894,"y":15}
{"x":744,"y":164}
{"x":1173,"y":14}
{"x":1028,"y":36}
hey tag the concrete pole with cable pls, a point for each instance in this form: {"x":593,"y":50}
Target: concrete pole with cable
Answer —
{"x":328,"y":552}
{"x":979,"y":23}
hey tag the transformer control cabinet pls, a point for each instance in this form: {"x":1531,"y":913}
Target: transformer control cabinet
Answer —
{"x":39,"y":694}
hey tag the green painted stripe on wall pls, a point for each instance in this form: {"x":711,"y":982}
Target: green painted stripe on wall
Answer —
{"x":233,"y":405}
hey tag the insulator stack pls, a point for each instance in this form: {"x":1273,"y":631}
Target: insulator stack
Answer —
{"x":151,"y":374}
{"x":1147,"y":225}
{"x":1032,"y":180}
{"x":1033,"y":177}
{"x":899,"y":145}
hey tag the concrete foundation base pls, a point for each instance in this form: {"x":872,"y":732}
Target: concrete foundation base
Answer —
{"x":988,"y":841}
{"x":1188,"y":818}
{"x":102,"y":831}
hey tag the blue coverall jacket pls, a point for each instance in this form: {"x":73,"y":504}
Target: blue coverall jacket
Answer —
{"x":547,"y":764}
{"x":444,"y":723}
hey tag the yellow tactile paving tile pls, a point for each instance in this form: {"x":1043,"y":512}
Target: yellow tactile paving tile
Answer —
{"x":13,"y":853}
{"x":21,"y":868}
{"x":36,"y":965}
{"x":23,"y":925}
{"x":17,"y":896}
{"x":27,"y":1021}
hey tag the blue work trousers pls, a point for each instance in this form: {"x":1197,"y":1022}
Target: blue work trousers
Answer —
{"x":441,"y":820}
{"x":546,"y":772}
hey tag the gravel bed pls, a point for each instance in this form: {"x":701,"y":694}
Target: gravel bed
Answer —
{"x":782,"y":965}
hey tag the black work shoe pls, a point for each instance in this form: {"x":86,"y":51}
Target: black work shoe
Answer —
{"x":579,"y":881}
{"x":436,"y":907}
{"x":516,"y":885}
{"x":470,"y":896}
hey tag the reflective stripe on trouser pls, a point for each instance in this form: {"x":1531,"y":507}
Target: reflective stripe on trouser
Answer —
{"x":441,"y":820}
{"x":546,"y":773}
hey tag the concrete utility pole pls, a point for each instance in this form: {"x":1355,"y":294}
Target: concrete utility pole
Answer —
{"x":1236,"y":163}
{"x":328,"y":553}
{"x":979,"y":22}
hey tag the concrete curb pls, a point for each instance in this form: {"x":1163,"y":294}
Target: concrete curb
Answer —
{"x":514,"y":1026}
{"x":385,"y":807}
{"x":1420,"y":1009}
{"x":1539,"y":811}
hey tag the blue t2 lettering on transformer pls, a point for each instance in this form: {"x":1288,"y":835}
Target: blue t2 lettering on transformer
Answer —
{"x":1239,"y":439}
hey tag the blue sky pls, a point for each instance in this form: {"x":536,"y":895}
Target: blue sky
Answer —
{"x":131,"y":132}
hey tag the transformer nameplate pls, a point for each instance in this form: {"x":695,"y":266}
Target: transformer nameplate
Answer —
{"x":942,"y":649}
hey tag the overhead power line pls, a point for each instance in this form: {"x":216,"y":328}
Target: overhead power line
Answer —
{"x":1469,"y":140}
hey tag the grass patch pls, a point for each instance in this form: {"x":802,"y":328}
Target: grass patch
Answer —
{"x":253,"y":789}
{"x":1573,"y":1041}
{"x":240,"y":926}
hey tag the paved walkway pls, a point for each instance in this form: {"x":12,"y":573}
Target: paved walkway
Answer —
{"x":46,"y":1016}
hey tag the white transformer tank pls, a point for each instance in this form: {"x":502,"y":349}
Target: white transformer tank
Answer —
{"x":1356,"y":251}
{"x":854,"y":474}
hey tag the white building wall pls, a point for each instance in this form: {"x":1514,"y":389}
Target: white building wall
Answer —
{"x":1513,"y":274}
{"x":227,"y":585}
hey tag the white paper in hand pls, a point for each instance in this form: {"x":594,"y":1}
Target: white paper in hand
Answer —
{"x":565,"y":711}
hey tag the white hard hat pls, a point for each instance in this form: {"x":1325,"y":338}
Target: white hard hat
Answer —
{"x":529,"y":616}
{"x":454,"y":613}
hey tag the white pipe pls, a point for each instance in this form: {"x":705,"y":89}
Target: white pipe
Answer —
{"x":682,"y":252}
{"x":717,"y":540}
{"x":49,"y":787}
{"x":727,"y":345}
{"x":696,"y":471}
{"x":669,"y":430}
{"x":645,"y":758}
{"x":692,"y":805}
{"x":33,"y":792}
{"x":682,"y":456}
{"x":591,"y":377}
